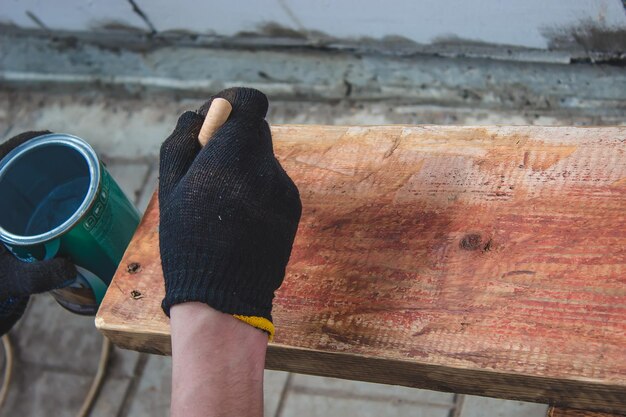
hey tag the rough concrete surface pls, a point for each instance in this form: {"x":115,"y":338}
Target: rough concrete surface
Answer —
{"x":31,"y":60}
{"x":57,"y":352}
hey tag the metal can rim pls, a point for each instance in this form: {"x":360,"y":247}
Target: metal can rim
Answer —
{"x":93,"y":164}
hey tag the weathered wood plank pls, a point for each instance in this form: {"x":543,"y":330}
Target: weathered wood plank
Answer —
{"x":481,"y":260}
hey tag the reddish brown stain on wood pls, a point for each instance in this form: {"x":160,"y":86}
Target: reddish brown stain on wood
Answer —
{"x":495,"y":253}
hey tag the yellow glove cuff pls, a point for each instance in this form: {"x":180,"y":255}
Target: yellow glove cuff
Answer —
{"x":259,"y":322}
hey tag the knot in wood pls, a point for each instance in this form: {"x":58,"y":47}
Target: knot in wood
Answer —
{"x":471,"y":241}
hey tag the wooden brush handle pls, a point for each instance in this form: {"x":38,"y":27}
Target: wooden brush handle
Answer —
{"x":216,"y":116}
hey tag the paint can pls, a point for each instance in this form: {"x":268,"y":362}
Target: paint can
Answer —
{"x":58,"y":199}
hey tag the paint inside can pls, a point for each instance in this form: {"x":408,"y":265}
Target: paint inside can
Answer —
{"x":57,"y":199}
{"x":57,"y":206}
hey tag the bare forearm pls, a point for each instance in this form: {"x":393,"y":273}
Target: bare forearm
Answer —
{"x":218,"y":364}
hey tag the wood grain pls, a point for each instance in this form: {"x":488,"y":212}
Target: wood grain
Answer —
{"x":480,"y":260}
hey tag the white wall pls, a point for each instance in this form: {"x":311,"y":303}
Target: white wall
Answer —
{"x":519,"y":23}
{"x":69,"y":14}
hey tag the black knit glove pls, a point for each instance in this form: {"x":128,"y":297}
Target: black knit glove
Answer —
{"x":228,"y":212}
{"x":19,"y":280}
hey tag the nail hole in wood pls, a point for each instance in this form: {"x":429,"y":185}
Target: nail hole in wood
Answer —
{"x":133,"y":268}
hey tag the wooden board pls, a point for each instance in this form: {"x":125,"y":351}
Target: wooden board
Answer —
{"x":480,"y":260}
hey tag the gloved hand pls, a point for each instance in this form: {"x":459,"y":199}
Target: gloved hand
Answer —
{"x":19,"y":280}
{"x":228,"y":213}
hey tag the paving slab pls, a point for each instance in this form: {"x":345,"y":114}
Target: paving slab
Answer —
{"x":306,"y":404}
{"x":130,"y":177}
{"x":126,"y":130}
{"x":149,"y":188}
{"x":122,"y":363}
{"x":320,"y":396}
{"x":53,"y":337}
{"x":110,"y":399}
{"x":50,"y":339}
{"x":37,"y":392}
{"x":16,"y":327}
{"x":5,"y":121}
{"x":474,"y":406}
{"x":152,"y":398}
{"x":334,"y":387}
{"x":273,"y":387}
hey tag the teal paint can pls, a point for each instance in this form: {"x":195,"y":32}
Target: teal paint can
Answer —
{"x":58,"y":199}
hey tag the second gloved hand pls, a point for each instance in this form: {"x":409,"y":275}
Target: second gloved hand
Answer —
{"x":228,"y":213}
{"x":19,"y":280}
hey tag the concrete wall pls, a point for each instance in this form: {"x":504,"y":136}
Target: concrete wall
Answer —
{"x":530,"y":23}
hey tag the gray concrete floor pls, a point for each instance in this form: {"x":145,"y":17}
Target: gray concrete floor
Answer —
{"x":57,"y":352}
